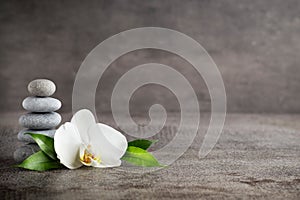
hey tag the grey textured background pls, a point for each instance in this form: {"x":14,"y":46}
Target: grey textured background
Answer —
{"x":256,"y":157}
{"x":256,"y":45}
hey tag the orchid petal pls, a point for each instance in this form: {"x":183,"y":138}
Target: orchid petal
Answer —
{"x":108,"y":144}
{"x":83,"y":119}
{"x":103,"y":165}
{"x":67,"y":142}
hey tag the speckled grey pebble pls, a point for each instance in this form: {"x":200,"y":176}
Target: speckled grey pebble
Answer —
{"x":27,"y":138}
{"x":25,"y":151}
{"x":41,"y":87}
{"x":41,"y":104}
{"x":40,"y":121}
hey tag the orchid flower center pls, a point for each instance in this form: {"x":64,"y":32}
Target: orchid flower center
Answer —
{"x":87,"y":157}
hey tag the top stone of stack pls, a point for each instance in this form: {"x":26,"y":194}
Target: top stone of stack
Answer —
{"x":41,"y":88}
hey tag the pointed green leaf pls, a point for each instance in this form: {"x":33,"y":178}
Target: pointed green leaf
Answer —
{"x":40,"y":162}
{"x":140,"y":157}
{"x":141,"y":143}
{"x":45,"y":143}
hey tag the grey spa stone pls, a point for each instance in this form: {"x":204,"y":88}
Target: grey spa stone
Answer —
{"x":25,"y":151}
{"x":40,"y":121}
{"x":41,"y":87}
{"x":41,"y":104}
{"x":27,"y":138}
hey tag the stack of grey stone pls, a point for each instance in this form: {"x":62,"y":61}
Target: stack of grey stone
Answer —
{"x":41,"y":118}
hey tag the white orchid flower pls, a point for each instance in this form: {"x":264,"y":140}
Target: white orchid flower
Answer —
{"x":85,"y":142}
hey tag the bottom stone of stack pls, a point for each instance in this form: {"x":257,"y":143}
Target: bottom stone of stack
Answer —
{"x":23,"y":137}
{"x":25,"y":151}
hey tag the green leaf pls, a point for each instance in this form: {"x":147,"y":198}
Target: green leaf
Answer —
{"x":45,"y":143}
{"x":141,"y":143}
{"x":140,"y":157}
{"x":40,"y":162}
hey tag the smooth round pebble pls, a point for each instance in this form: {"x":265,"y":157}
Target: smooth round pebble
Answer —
{"x":27,"y":138}
{"x":40,"y":121}
{"x":41,"y":87}
{"x":41,"y":104}
{"x":25,"y":151}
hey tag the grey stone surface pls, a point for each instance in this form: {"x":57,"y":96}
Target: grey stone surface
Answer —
{"x":41,"y":104}
{"x":27,"y":138}
{"x":40,"y":120}
{"x":41,"y":87}
{"x":254,"y":43}
{"x":25,"y":151}
{"x":256,"y":157}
